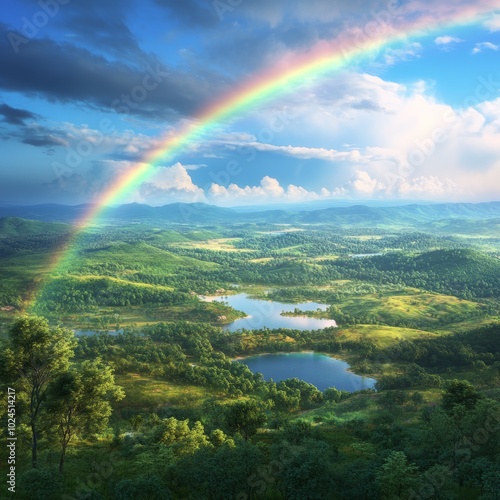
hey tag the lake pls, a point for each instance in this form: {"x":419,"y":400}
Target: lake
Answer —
{"x":317,"y":369}
{"x":266,"y":313}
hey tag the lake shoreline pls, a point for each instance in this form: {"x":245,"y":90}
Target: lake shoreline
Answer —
{"x":265,"y":313}
{"x":239,"y":358}
{"x":319,"y":374}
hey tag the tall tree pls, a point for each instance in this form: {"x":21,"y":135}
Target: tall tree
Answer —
{"x":81,"y":401}
{"x":245,"y":417}
{"x":35,"y":355}
{"x":460,"y":392}
{"x":396,"y":477}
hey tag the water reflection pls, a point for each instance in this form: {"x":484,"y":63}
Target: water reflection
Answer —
{"x":317,"y":369}
{"x":266,"y":313}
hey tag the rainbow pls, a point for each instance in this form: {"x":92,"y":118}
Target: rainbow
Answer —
{"x":324,"y":59}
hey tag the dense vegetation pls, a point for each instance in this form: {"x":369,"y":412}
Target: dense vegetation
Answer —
{"x":389,"y":444}
{"x":159,"y":409}
{"x":464,"y":273}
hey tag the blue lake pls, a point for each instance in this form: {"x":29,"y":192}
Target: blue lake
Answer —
{"x":266,"y":313}
{"x":317,"y":369}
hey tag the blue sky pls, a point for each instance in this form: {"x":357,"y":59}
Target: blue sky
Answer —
{"x":87,"y":89}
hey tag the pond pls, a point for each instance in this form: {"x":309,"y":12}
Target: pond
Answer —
{"x":266,"y":313}
{"x":317,"y":369}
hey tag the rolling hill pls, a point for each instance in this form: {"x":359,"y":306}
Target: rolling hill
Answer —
{"x":465,"y":273}
{"x":15,"y":226}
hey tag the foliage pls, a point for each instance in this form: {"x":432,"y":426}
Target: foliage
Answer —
{"x":142,"y":488}
{"x":245,"y":417}
{"x":459,"y":393}
{"x":34,"y":356}
{"x":81,"y":401}
{"x":417,"y":312}
{"x":396,"y":477}
{"x":39,"y":484}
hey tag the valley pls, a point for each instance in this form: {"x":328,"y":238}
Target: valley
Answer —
{"x":407,"y":303}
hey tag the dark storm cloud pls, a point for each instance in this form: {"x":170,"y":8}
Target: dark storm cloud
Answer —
{"x":15,"y":116}
{"x":64,"y":72}
{"x":37,"y":136}
{"x":109,"y":34}
{"x":102,"y":25}
{"x":43,"y":140}
{"x":31,"y":133}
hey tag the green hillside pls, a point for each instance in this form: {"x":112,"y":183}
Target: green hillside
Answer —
{"x":466,"y":273}
{"x":166,"y":237}
{"x":468,"y":261}
{"x":488,"y":227}
{"x":138,"y":256}
{"x":77,"y":294}
{"x":15,"y":226}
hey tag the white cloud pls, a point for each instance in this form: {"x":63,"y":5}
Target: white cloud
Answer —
{"x":480,"y":47}
{"x":167,"y":185}
{"x":493,"y":23}
{"x":411,"y":51}
{"x":431,"y":187}
{"x":310,"y":153}
{"x":363,"y":184}
{"x":269,"y":190}
{"x":398,"y":141}
{"x":401,"y":136}
{"x":446,"y":40}
{"x":195,"y":167}
{"x":428,"y":187}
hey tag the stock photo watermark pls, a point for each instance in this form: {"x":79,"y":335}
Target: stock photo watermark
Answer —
{"x":83,"y":150}
{"x":487,"y":88}
{"x":222,"y":7}
{"x":102,"y":473}
{"x":32,"y":25}
{"x":11,"y":440}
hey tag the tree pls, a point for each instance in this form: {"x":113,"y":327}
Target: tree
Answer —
{"x":80,"y":401}
{"x":396,"y":477}
{"x":35,"y":355}
{"x":40,"y":484}
{"x":177,"y":434}
{"x":306,"y":474}
{"x":245,"y":417}
{"x":332,"y":394}
{"x":224,"y":472}
{"x":417,"y":399}
{"x":459,"y":392}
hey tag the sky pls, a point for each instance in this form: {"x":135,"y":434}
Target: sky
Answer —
{"x":89,"y":88}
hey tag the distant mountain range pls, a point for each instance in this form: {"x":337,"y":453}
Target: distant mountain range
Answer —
{"x":201,"y":213}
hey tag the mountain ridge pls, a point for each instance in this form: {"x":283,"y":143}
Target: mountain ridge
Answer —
{"x":202,"y":213}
